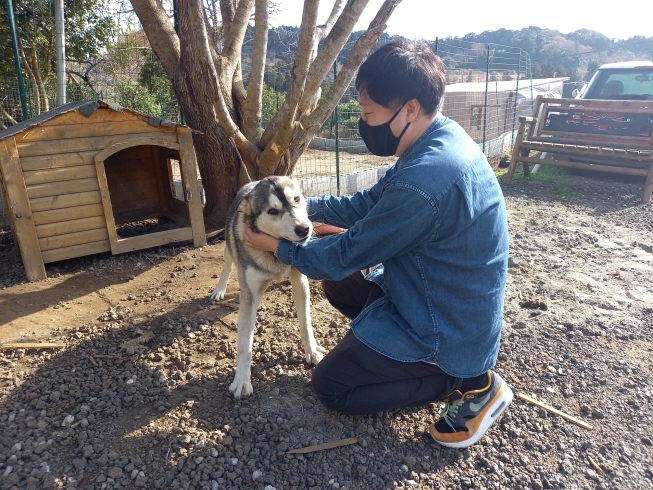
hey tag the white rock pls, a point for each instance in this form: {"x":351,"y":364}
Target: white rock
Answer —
{"x":130,"y":381}
{"x":8,"y":471}
{"x":269,"y":487}
{"x":67,"y":422}
{"x":234,"y":461}
{"x":257,"y":474}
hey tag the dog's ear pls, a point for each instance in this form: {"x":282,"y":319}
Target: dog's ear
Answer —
{"x":244,"y":206}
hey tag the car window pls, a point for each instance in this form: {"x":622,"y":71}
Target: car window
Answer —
{"x":630,"y":84}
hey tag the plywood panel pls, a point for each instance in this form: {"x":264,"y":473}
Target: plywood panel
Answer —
{"x":100,"y":115}
{"x":110,"y":222}
{"x":152,"y":240}
{"x":89,"y":129}
{"x":76,"y":251}
{"x":65,"y":201}
{"x":20,"y":212}
{"x":84,"y":144}
{"x":67,"y":214}
{"x":59,"y":174}
{"x":61,"y":188}
{"x":189,"y":172}
{"x":72,"y":226}
{"x":70,"y":239}
{"x":57,"y":161}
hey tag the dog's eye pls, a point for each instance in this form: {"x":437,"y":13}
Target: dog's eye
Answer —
{"x":297,"y":199}
{"x":273,"y":211}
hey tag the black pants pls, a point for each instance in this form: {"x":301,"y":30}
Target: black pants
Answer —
{"x":355,"y":379}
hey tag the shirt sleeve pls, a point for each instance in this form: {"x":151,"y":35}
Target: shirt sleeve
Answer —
{"x":345,"y":211}
{"x":402,"y":219}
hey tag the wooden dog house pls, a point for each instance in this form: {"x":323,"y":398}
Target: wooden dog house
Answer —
{"x":70,"y":175}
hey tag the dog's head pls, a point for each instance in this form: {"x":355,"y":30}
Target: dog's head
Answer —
{"x":276,"y":206}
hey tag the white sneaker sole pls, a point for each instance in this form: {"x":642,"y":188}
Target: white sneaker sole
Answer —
{"x":496,"y":409}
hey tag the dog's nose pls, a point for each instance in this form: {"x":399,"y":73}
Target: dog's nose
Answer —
{"x":301,"y":230}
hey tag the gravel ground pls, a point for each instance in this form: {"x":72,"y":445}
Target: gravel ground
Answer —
{"x":139,"y":399}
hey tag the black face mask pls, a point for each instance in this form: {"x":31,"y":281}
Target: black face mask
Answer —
{"x":379,"y":139}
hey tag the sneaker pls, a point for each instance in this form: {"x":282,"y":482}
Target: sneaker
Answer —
{"x":466,"y":417}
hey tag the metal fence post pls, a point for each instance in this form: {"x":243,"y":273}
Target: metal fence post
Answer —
{"x":487,"y":80}
{"x":337,"y":138}
{"x":514,"y":114}
{"x":17,"y":64}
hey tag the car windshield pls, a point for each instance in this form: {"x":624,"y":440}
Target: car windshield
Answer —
{"x":625,"y":85}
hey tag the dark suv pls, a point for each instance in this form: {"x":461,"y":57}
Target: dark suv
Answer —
{"x":629,"y":80}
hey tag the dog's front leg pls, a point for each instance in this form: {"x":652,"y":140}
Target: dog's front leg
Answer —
{"x":301,"y":296}
{"x":221,"y":288}
{"x":251,"y":293}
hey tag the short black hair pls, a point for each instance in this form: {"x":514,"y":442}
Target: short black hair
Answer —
{"x":400,"y":71}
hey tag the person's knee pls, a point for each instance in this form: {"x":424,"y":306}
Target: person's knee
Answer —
{"x":324,"y":387}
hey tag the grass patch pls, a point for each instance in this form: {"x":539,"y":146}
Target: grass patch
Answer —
{"x":557,"y":177}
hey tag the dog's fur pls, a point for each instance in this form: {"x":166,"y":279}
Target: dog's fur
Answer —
{"x":276,"y":206}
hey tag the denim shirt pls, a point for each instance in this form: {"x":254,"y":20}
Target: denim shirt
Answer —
{"x":437,"y":223}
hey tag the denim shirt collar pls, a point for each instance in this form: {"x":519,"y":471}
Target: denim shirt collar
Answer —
{"x":437,"y":122}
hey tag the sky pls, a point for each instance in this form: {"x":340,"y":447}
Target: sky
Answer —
{"x":428,"y":19}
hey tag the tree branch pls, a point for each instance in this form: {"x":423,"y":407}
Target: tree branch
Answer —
{"x":278,"y":133}
{"x":233,"y":41}
{"x":252,"y":105}
{"x":196,"y":48}
{"x":324,"y":30}
{"x":228,"y":11}
{"x":160,"y":33}
{"x":330,"y":51}
{"x":310,"y":123}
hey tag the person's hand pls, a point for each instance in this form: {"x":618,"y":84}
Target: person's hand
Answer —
{"x":260,"y":241}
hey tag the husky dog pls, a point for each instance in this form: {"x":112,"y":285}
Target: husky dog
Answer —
{"x":276,"y":206}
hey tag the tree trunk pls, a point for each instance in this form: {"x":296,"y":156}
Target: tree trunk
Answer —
{"x":230,"y":145}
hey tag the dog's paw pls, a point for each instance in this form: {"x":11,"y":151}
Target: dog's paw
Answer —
{"x":241,"y":388}
{"x":217,"y":294}
{"x":315,"y":355}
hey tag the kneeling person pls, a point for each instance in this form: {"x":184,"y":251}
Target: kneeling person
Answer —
{"x":431,"y":238}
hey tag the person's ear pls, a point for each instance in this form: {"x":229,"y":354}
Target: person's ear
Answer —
{"x":412,"y":109}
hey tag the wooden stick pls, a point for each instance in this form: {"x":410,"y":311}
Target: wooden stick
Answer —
{"x":326,"y":445}
{"x":595,"y":465}
{"x":34,"y":345}
{"x":93,"y":361}
{"x":555,"y":411}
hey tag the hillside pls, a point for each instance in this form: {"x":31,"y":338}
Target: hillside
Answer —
{"x":576,"y":55}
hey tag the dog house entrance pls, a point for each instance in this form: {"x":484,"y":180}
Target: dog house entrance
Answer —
{"x":145,"y":195}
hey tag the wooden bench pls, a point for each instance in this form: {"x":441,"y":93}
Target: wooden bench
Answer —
{"x":604,"y":135}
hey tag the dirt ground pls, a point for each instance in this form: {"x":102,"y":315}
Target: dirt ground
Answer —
{"x":138,"y":397}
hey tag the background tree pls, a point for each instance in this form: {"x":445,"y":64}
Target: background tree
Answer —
{"x":203,"y":62}
{"x":88,"y":32}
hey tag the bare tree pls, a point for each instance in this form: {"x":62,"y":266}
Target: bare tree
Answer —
{"x":232,"y":147}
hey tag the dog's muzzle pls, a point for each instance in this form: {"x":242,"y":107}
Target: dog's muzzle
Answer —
{"x":302,"y":231}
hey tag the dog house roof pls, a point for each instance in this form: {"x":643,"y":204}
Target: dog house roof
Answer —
{"x":85,"y":108}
